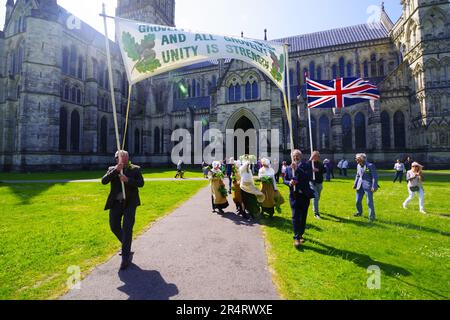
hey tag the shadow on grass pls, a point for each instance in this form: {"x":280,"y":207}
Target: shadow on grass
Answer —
{"x":27,"y":192}
{"x":237,"y":219}
{"x":414,"y":227}
{"x":145,"y":285}
{"x":362,"y":260}
{"x":333,"y":218}
{"x":438,"y":295}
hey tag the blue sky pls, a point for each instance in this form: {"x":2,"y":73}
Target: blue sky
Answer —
{"x":282,"y":18}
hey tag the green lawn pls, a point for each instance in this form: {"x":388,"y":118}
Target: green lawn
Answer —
{"x":152,"y":173}
{"x":45,"y":228}
{"x":411,"y":249}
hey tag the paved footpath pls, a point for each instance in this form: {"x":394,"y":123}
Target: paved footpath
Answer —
{"x":190,"y":254}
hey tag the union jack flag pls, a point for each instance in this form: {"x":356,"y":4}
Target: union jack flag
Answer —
{"x":340,"y":92}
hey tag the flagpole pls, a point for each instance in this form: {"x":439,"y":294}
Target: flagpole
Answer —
{"x":310,"y":128}
{"x":287,"y":100}
{"x":111,"y":86}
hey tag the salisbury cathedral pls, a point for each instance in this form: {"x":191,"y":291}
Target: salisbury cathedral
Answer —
{"x":56,"y":111}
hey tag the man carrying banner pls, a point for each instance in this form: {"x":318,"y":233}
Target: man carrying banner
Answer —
{"x":120,"y":208}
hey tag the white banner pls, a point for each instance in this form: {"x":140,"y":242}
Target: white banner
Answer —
{"x":149,"y":50}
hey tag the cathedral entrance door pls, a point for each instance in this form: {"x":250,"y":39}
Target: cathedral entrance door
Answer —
{"x":244,"y":124}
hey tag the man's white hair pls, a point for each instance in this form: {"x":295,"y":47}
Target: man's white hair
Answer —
{"x":361,"y":156}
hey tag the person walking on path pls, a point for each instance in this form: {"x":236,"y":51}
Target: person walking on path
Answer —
{"x":298,"y":176}
{"x":415,"y":179}
{"x":399,"y":171}
{"x":229,"y":172}
{"x":120,"y":208}
{"x":317,"y":183}
{"x":366,"y":182}
{"x":180,"y":172}
{"x":251,"y":196}
{"x":218,"y":190}
{"x":268,"y":187}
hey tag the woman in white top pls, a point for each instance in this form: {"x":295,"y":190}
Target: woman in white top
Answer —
{"x":268,"y":186}
{"x":415,"y":179}
{"x":251,"y":196}
{"x":399,"y":168}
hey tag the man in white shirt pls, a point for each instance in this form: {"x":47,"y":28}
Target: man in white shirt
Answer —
{"x":345,"y":167}
{"x":399,"y":168}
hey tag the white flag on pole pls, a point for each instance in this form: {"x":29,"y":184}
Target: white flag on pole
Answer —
{"x":149,"y":50}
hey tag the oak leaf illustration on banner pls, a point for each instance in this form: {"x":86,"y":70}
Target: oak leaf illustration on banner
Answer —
{"x":277,"y":66}
{"x":142,"y":53}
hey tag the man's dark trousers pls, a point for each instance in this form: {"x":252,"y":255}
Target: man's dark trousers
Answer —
{"x":299,"y":206}
{"x":123,"y":232}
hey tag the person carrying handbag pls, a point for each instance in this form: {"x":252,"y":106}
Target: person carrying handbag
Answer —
{"x":415,"y":179}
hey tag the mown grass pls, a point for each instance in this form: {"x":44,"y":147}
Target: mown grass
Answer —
{"x":411,"y":249}
{"x":148,"y":173}
{"x":45,"y":228}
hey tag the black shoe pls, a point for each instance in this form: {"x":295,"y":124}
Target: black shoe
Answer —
{"x":317,"y":216}
{"x":358,"y":215}
{"x":221,"y":211}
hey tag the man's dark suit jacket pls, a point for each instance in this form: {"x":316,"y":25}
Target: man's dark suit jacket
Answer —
{"x":135,"y":181}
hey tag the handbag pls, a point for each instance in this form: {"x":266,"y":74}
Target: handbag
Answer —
{"x":414,"y":189}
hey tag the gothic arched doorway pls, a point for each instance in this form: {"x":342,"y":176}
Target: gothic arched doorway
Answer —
{"x":244,"y":124}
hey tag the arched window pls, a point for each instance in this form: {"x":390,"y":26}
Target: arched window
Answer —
{"x":319,"y":73}
{"x":299,"y":76}
{"x":373,"y":65}
{"x":291,"y":77}
{"x":349,"y":69}
{"x":234,"y":93}
{"x":103,"y":135}
{"x":199,"y":90}
{"x":324,"y":132}
{"x":385,"y":130}
{"x":73,"y":61}
{"x":157,"y":141}
{"x":366,"y":69}
{"x":73,"y":94}
{"x":124,"y":85}
{"x":100,"y":74}
{"x":106,"y":77}
{"x":251,"y":91}
{"x":399,"y":130}
{"x":65,"y":61}
{"x":66,"y":92}
{"x":194,"y":85}
{"x":137,"y":142}
{"x":347,"y":143}
{"x":314,"y":131}
{"x":79,"y":96}
{"x":80,"y":67}
{"x":214,"y":81}
{"x":94,"y":69}
{"x":334,"y":71}
{"x":360,"y":131}
{"x":62,"y":129}
{"x":341,"y":67}
{"x":312,"y":70}
{"x":19,"y":59}
{"x":75,"y":131}
{"x":381,"y":72}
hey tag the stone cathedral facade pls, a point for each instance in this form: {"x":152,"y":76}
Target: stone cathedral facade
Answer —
{"x":55,"y":106}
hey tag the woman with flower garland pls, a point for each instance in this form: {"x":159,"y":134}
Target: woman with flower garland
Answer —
{"x":251,"y":196}
{"x":236,"y":188}
{"x":268,"y":186}
{"x":218,"y":190}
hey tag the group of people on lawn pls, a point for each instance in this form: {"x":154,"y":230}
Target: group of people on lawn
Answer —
{"x":304,"y":179}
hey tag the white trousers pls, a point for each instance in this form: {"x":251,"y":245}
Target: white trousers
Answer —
{"x":411,"y":196}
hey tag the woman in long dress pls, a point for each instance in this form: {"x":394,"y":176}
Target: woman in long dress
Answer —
{"x":236,"y":188}
{"x":251,"y":196}
{"x":268,"y":187}
{"x":218,"y":190}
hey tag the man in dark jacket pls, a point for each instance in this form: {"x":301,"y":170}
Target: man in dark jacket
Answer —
{"x":297,"y":178}
{"x":118,"y":206}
